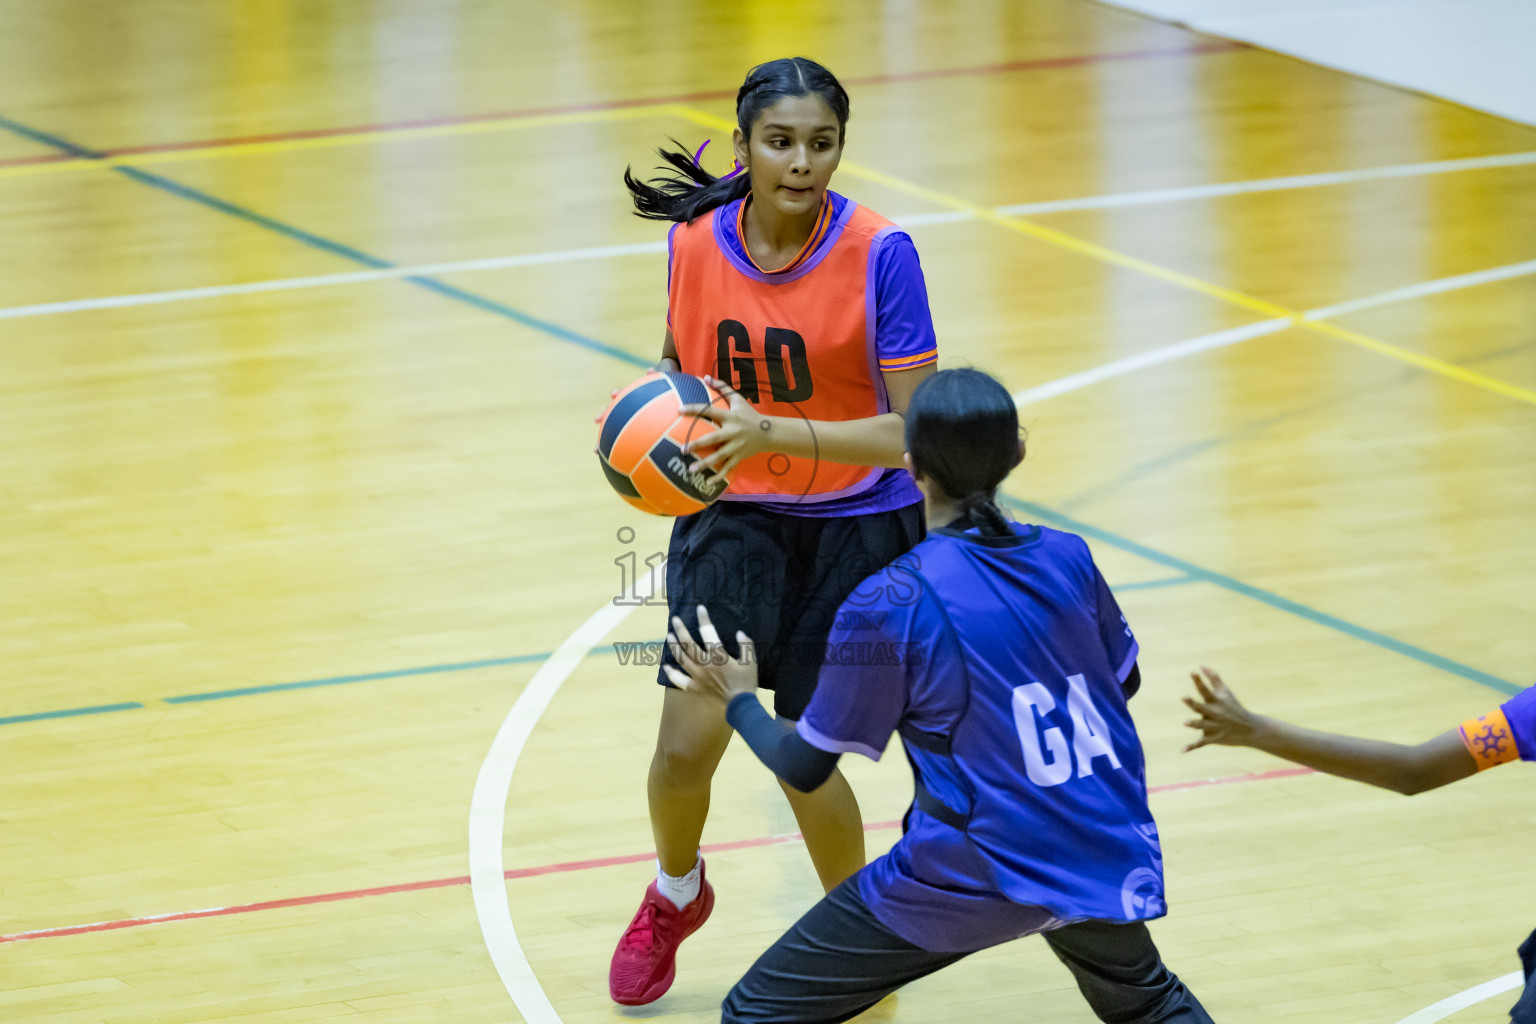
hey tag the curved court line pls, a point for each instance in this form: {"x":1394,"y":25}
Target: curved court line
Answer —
{"x":488,"y":807}
{"x":1461,"y":1000}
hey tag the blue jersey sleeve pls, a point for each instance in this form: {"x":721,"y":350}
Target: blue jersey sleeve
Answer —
{"x":862,"y":689}
{"x":1115,"y":633}
{"x":904,"y":337}
{"x":1520,"y":712}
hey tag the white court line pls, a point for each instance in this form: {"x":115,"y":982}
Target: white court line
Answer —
{"x":1418,"y":291}
{"x":910,"y":220}
{"x":488,"y":808}
{"x":1235,"y":335}
{"x":917,"y":220}
{"x":331,"y":280}
{"x":1142,"y":360}
{"x":493,"y":785}
{"x":1461,"y":1000}
{"x":1173,"y":195}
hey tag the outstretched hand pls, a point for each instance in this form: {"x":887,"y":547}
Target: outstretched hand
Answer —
{"x":707,"y":669}
{"x":1222,"y":719}
{"x":740,"y":431}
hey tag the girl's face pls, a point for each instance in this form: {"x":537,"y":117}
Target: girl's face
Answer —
{"x":792,"y":153}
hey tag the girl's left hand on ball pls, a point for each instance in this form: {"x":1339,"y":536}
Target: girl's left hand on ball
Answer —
{"x":740,"y":431}
{"x":611,"y":396}
{"x":707,"y":669}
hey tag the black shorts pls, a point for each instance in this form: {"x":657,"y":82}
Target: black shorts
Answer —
{"x":779,"y":579}
{"x":839,"y":960}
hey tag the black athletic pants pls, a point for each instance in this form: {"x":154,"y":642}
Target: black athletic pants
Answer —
{"x":1524,"y":1011}
{"x":839,"y":960}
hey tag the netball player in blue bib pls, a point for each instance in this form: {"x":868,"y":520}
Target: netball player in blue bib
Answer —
{"x":1505,"y":734}
{"x":997,"y":653}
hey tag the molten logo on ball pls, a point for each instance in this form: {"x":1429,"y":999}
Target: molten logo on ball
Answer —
{"x":641,"y":444}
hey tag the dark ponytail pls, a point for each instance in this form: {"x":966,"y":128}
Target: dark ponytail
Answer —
{"x":688,"y":190}
{"x":962,"y":430}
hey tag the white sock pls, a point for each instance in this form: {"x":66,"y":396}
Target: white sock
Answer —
{"x":682,"y":889}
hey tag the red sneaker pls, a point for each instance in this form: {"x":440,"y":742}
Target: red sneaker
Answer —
{"x":646,"y":961}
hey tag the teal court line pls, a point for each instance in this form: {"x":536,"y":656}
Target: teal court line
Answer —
{"x":1171,"y":581}
{"x":1285,"y":604}
{"x":1188,"y":572}
{"x":1195,"y":572}
{"x":99,"y":709}
{"x":306,"y":684}
{"x":324,"y":244}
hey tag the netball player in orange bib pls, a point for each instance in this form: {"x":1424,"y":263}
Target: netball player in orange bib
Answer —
{"x":810,"y":312}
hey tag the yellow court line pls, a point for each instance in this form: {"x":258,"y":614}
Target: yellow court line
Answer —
{"x":1429,"y":363}
{"x":1083,"y":247}
{"x":332,"y":141}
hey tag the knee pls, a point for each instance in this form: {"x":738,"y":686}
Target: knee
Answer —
{"x":682,"y":764}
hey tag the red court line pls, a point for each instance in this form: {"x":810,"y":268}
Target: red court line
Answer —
{"x":545,"y":869}
{"x":1047,"y":63}
{"x":41,"y":158}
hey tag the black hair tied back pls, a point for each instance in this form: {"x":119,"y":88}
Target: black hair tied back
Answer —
{"x":687,"y":190}
{"x":962,"y":430}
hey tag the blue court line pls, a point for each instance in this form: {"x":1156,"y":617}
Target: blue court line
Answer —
{"x":1256,"y":427}
{"x":99,"y":709}
{"x":315,"y":241}
{"x":306,"y":684}
{"x":367,"y":677}
{"x":1273,"y":600}
{"x":1171,"y":581}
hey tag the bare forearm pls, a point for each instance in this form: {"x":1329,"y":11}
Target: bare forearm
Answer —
{"x":875,"y":441}
{"x":1402,"y":769}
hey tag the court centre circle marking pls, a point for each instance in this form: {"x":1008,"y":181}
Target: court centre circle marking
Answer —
{"x":493,"y":785}
{"x":1461,"y":1000}
{"x":488,"y":808}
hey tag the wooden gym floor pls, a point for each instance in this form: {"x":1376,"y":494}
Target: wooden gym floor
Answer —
{"x":305,"y":311}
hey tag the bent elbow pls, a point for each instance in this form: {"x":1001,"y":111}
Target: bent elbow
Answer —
{"x":1414,"y":782}
{"x":806,"y":782}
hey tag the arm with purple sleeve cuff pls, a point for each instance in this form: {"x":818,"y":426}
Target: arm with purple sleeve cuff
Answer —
{"x":778,"y":745}
{"x":904,"y":336}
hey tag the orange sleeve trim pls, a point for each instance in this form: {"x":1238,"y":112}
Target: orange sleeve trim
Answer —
{"x":910,"y":362}
{"x":1489,"y":740}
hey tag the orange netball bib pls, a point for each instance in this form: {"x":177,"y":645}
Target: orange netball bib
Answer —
{"x":796,"y":344}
